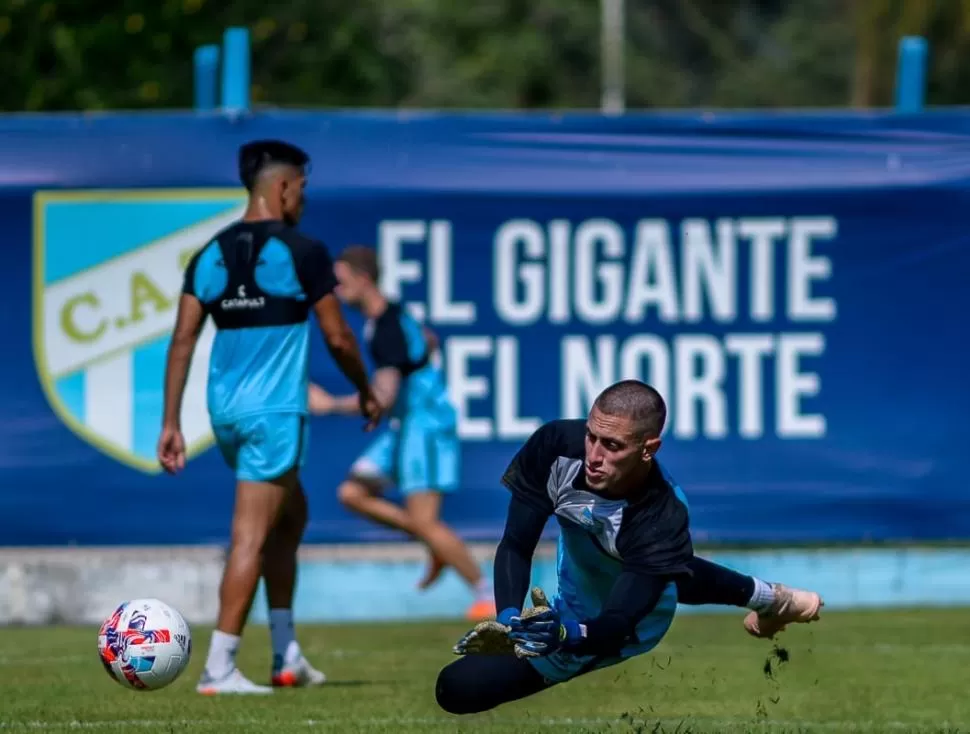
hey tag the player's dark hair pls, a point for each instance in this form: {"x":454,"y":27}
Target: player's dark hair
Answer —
{"x":361,"y":258}
{"x":257,"y":155}
{"x":635,"y":400}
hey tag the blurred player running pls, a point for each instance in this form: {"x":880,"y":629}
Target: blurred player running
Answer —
{"x":259,"y":279}
{"x":625,"y":560}
{"x":420,"y":450}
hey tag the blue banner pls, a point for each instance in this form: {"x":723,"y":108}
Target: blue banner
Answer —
{"x":795,"y":286}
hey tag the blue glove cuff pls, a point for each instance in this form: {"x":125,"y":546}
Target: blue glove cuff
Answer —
{"x":573,"y":633}
{"x":505,"y":616}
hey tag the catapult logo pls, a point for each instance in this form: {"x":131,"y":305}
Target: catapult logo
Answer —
{"x":107,"y":274}
{"x":242,"y":301}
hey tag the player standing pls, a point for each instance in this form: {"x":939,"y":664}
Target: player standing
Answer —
{"x":420,"y":451}
{"x":625,"y":555}
{"x":259,"y":279}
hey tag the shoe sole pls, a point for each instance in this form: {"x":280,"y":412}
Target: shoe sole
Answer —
{"x":755,"y":630}
{"x":292,"y":680}
{"x":217,"y":692}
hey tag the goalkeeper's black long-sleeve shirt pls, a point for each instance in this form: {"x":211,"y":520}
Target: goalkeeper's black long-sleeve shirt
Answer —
{"x":645,"y":543}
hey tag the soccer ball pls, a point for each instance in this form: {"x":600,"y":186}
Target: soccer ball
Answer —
{"x":144,"y":644}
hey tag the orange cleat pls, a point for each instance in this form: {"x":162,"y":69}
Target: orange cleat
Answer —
{"x":297,"y":674}
{"x":481,"y":610}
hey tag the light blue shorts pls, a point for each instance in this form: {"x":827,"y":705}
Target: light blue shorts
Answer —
{"x":261,"y":448}
{"x":416,"y":457}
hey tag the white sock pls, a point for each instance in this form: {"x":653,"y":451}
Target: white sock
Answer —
{"x":483,"y":589}
{"x":282,"y":636}
{"x":222,"y":654}
{"x":763,"y":596}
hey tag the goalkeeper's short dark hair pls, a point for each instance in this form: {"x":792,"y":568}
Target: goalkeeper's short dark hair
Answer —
{"x":637,"y":401}
{"x":257,"y":155}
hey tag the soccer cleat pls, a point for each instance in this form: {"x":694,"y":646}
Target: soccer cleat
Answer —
{"x":232,"y":683}
{"x":480,"y":610}
{"x":298,"y":674}
{"x":789,"y":606}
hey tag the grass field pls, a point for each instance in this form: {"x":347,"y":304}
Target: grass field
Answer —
{"x":870,"y":672}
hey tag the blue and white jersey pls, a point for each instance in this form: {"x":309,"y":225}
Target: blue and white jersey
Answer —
{"x":258,"y":281}
{"x":397,"y":341}
{"x":601,"y":537}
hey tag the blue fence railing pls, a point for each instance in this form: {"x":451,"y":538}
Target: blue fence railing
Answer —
{"x":236,"y":72}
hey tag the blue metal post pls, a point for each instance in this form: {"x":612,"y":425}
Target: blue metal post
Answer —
{"x":235,"y":70}
{"x":911,"y":74}
{"x":206,"y":63}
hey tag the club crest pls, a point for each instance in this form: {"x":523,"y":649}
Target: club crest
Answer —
{"x":107,"y":273}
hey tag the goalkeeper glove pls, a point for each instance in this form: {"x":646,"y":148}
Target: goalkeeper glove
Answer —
{"x":492,"y":637}
{"x":542,"y":632}
{"x":487,"y":638}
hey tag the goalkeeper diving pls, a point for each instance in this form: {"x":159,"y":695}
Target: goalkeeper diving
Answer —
{"x":625,"y":560}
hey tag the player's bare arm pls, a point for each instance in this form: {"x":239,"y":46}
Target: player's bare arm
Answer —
{"x":434,"y":343}
{"x":342,"y":345}
{"x":341,"y":342}
{"x":188,"y":326}
{"x":385,"y":387}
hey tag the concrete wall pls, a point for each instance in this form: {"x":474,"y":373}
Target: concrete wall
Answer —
{"x":348,"y":583}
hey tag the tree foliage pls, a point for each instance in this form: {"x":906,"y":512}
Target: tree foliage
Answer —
{"x":111,"y":54}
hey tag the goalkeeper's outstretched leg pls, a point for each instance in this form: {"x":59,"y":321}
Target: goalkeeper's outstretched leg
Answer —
{"x":476,"y":683}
